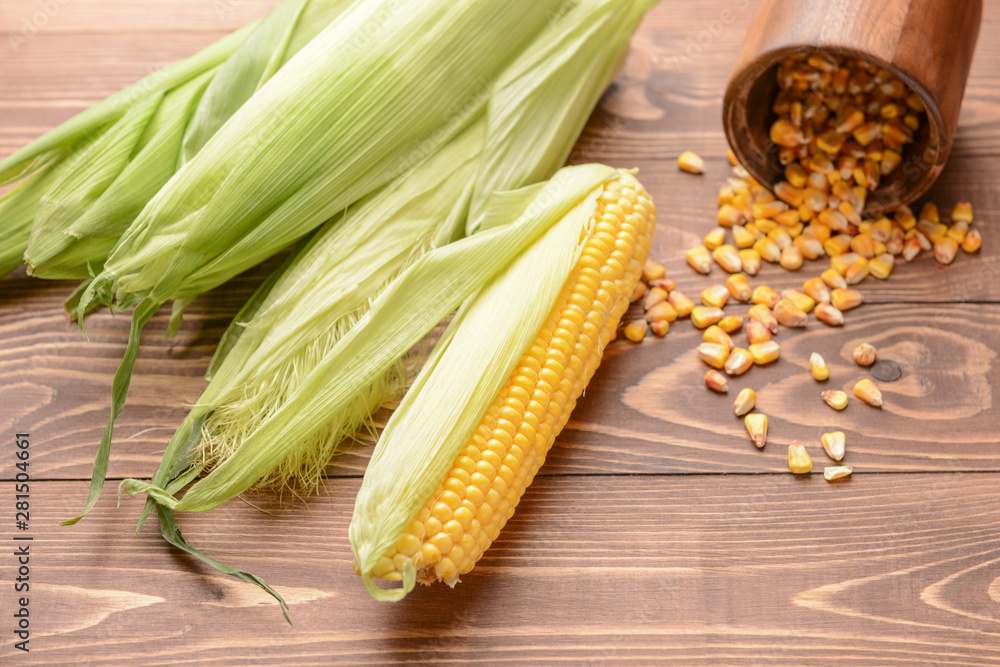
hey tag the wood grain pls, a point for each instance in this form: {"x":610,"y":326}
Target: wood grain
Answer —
{"x":881,"y":570}
{"x":647,"y":410}
{"x":667,"y":99}
{"x":655,"y":534}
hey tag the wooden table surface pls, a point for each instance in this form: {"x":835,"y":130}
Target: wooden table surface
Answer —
{"x":656,"y":533}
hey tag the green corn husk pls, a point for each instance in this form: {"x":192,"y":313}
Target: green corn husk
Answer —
{"x":111,"y":180}
{"x":17,"y":211}
{"x":317,"y":299}
{"x":468,"y":367}
{"x":543,"y":101}
{"x":261,"y":377}
{"x":330,"y":127}
{"x":440,"y":280}
{"x":343,"y":376}
{"x":60,"y":147}
{"x":194,"y":228}
{"x":410,"y":307}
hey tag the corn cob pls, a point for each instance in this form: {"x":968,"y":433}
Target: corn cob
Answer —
{"x":464,"y":508}
{"x":539,"y":67}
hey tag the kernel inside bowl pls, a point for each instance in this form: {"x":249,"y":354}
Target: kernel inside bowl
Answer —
{"x":812,"y":120}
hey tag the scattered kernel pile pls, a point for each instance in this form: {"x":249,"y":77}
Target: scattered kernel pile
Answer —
{"x":843,"y":126}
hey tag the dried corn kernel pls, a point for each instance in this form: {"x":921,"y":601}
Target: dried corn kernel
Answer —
{"x":761,"y":313}
{"x":713,"y":354}
{"x":728,"y":258}
{"x":791,"y":258}
{"x":691,"y":163}
{"x":819,"y":232}
{"x":804,"y":302}
{"x":731,"y":323}
{"x":798,"y":459}
{"x":962,"y":212}
{"x":768,"y":250}
{"x":945,"y":250}
{"x":829,"y":315}
{"x":765,"y":295}
{"x":929,"y":212}
{"x":730,"y":216}
{"x":757,"y":332}
{"x":738,"y":286}
{"x":796,"y":175}
{"x":654,"y":296}
{"x":864,"y":354}
{"x":705,"y":316}
{"x":841,"y":263}
{"x":661,"y":312}
{"x":816,"y":290}
{"x":699,"y":259}
{"x":818,"y":367}
{"x":768,"y":209}
{"x":863,"y":244}
{"x":716,"y":381}
{"x":972,"y":242}
{"x":784,"y":133}
{"x":881,"y":266}
{"x":756,"y":424}
{"x":867,"y":391}
{"x":765,"y":226}
{"x":894,"y":246}
{"x":666,"y":284}
{"x":653,"y":270}
{"x":911,"y":248}
{"x":660,"y":327}
{"x":788,"y":314}
{"x":636,"y":330}
{"x":765,"y":353}
{"x":780,"y":236}
{"x":743,"y":238}
{"x":750,"y":260}
{"x":857,"y":271}
{"x":739,"y":362}
{"x":681,"y":304}
{"x":934,"y":231}
{"x":833,"y":279}
{"x":745,"y":402}
{"x":837,"y":245}
{"x":957,"y":231}
{"x":835,"y":399}
{"x":714,"y":334}
{"x":716,"y":296}
{"x":787,"y":193}
{"x":835,"y":220}
{"x":845,"y":299}
{"x":834,"y":444}
{"x":638,"y":292}
{"x":714,"y":238}
{"x":809,"y":246}
{"x":833,"y":473}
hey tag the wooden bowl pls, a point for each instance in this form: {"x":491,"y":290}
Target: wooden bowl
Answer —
{"x":926,"y":43}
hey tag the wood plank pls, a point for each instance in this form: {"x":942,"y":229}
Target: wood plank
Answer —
{"x":67,"y":17}
{"x":646,"y":411}
{"x":772,"y":569}
{"x":677,"y":70}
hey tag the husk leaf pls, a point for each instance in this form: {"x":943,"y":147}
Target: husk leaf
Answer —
{"x":470,"y":365}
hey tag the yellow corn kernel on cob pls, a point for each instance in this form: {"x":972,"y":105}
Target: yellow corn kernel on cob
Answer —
{"x":475,"y":498}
